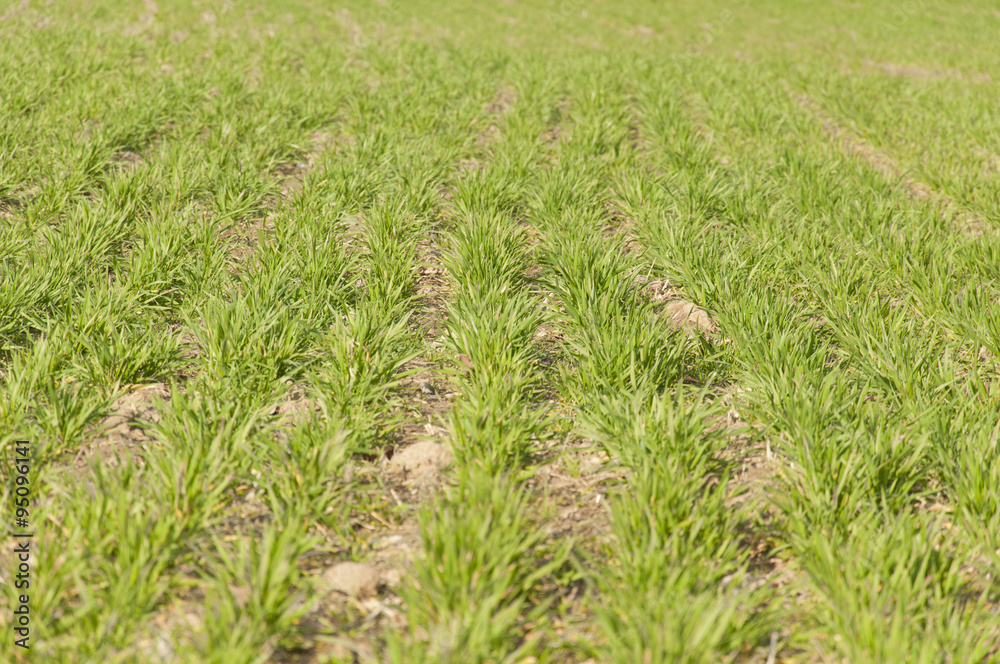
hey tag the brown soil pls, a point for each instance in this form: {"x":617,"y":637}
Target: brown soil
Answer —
{"x":127,"y":160}
{"x":502,"y":102}
{"x":123,"y":429}
{"x":363,"y":600}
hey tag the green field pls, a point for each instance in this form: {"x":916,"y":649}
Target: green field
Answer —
{"x":527,"y":331}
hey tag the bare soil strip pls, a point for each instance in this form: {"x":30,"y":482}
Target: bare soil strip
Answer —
{"x":503,"y":101}
{"x":755,"y":467}
{"x":419,"y":451}
{"x":411,"y":469}
{"x":915,"y":71}
{"x":966,"y":222}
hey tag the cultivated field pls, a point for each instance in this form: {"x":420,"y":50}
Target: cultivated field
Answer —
{"x":567,"y":331}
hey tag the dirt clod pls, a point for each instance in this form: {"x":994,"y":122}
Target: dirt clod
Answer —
{"x":421,"y":458}
{"x":690,"y":317}
{"x":353,"y":579}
